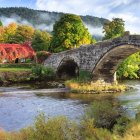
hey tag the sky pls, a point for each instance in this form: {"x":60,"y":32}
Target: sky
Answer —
{"x":129,"y":10}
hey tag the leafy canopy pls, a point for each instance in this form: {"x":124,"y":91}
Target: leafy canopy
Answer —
{"x":114,"y":29}
{"x":24,"y":33}
{"x":1,"y":23}
{"x":14,"y":33}
{"x":41,"y":40}
{"x":129,"y":67}
{"x":69,"y":32}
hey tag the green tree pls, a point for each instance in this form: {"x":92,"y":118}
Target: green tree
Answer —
{"x":24,"y":33}
{"x":69,"y":32}
{"x":9,"y":33}
{"x":113,"y":29}
{"x":1,"y":34}
{"x":1,"y":23}
{"x":129,"y":67}
{"x":41,"y":40}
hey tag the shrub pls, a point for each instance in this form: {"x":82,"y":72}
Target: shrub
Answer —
{"x":41,"y":71}
{"x":59,"y":128}
{"x":138,"y":116}
{"x":84,"y":75}
{"x":28,"y":60}
{"x":104,"y":114}
{"x":121,"y":125}
{"x":133,"y":132}
{"x":89,"y":132}
{"x":42,"y":56}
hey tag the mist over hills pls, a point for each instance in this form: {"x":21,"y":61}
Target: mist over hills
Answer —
{"x":44,"y":20}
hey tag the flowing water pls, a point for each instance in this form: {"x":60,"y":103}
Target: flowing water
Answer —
{"x":130,"y":100}
{"x":19,"y":105}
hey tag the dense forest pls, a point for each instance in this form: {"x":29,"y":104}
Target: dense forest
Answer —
{"x":38,"y":17}
{"x":45,"y":19}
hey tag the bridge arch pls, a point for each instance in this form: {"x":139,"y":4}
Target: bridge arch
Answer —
{"x":107,"y":65}
{"x":67,"y":68}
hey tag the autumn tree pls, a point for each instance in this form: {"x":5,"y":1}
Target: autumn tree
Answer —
{"x":24,"y":33}
{"x":1,"y":34}
{"x":68,"y":33}
{"x":114,"y":28}
{"x":41,"y":40}
{"x":10,"y":32}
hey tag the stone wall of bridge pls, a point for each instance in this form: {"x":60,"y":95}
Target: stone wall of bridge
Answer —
{"x":101,"y":59}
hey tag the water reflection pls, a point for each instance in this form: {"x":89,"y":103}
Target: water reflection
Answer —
{"x":20,"y":104}
{"x":130,"y":100}
{"x":19,"y":110}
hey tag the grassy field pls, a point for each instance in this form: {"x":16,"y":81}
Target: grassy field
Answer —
{"x":14,"y":69}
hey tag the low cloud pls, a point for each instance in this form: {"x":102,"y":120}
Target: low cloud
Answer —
{"x":126,"y":9}
{"x":45,"y":27}
{"x":14,"y":18}
{"x":132,"y":22}
{"x":95,"y":31}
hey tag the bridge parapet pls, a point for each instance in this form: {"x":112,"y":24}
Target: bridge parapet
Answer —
{"x":101,"y":58}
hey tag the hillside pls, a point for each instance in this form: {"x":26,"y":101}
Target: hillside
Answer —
{"x":44,"y":19}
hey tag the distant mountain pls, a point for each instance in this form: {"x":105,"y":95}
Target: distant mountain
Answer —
{"x":44,"y":19}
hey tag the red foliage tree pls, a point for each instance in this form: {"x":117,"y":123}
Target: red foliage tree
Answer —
{"x":13,"y":51}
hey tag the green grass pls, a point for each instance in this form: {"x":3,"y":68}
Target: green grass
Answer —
{"x":14,"y":69}
{"x":15,"y":65}
{"x":94,"y":87}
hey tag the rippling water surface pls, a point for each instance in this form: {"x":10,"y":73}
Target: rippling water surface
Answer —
{"x":19,"y":106}
{"x":130,"y":100}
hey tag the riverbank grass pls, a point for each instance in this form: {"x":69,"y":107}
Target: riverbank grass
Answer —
{"x":103,"y":120}
{"x":14,"y":69}
{"x":94,"y":87}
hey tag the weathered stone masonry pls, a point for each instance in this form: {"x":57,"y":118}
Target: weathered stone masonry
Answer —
{"x":101,"y":59}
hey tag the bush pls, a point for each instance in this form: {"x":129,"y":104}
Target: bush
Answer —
{"x":133,"y":132}
{"x":104,"y":114}
{"x":28,"y":60}
{"x":138,"y":116}
{"x":42,"y":56}
{"x":89,"y":132}
{"x":59,"y":128}
{"x":41,"y":71}
{"x":85,"y":75}
{"x":121,"y":125}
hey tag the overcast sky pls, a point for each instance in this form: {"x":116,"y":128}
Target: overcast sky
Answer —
{"x":129,"y":10}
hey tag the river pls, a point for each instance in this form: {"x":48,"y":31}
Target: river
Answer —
{"x":19,"y":105}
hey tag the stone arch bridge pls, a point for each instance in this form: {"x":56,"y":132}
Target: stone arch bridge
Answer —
{"x":101,"y":59}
